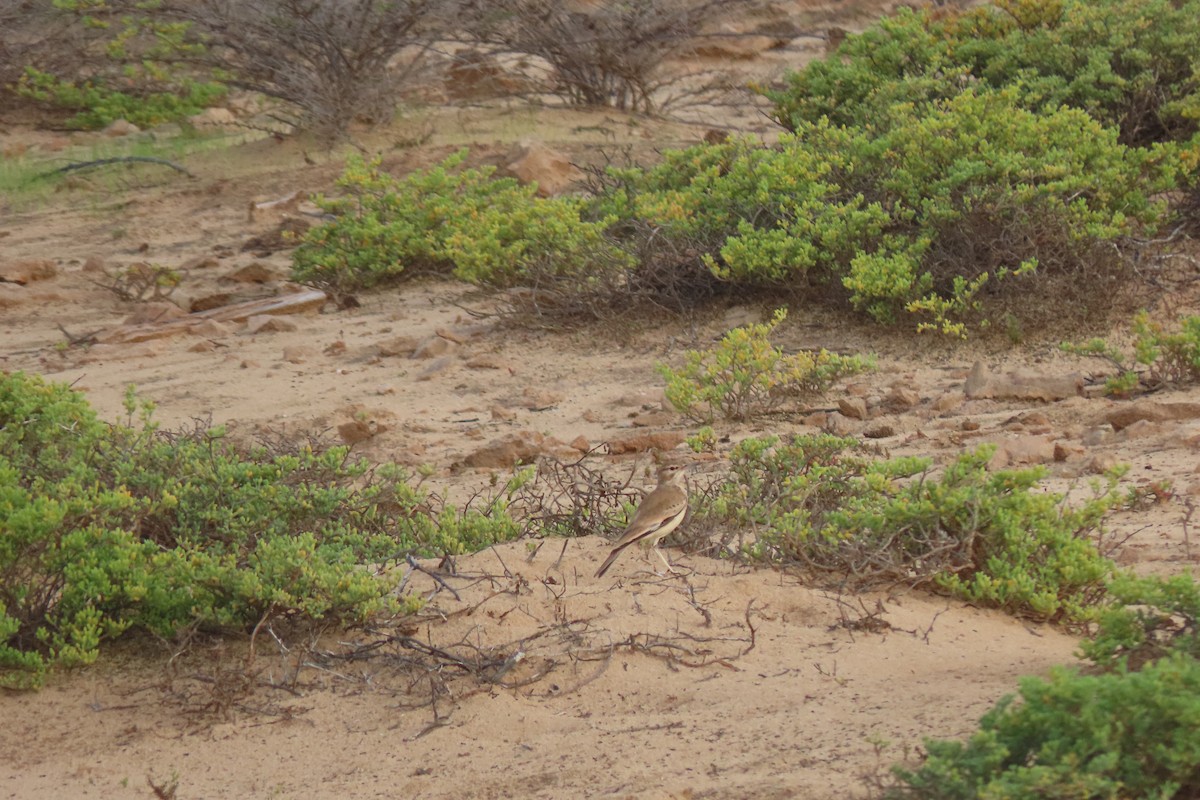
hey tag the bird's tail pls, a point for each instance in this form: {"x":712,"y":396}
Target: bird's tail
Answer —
{"x":608,"y":562}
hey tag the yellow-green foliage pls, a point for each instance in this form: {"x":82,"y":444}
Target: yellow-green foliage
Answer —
{"x":1166,"y":358}
{"x":994,"y":538}
{"x":746,"y":376}
{"x":915,"y":212}
{"x":109,"y":527}
{"x":1130,"y":64}
{"x":1116,"y":735}
{"x":447,"y":219}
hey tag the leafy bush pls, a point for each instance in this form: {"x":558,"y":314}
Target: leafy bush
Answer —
{"x":996,"y":539}
{"x":445,"y":219}
{"x":130,"y":63}
{"x":105,"y":528}
{"x":1130,"y":65}
{"x":1120,"y":735}
{"x":746,"y":376}
{"x":1170,"y":359}
{"x":1144,"y":620}
{"x":932,"y":210}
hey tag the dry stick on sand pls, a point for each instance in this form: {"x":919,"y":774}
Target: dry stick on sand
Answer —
{"x":102,"y":162}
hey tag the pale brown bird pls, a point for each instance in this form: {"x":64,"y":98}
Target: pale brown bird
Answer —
{"x":658,"y":515}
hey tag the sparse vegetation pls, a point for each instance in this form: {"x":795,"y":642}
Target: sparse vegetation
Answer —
{"x":1159,"y":358}
{"x":992,"y":538}
{"x":447,"y":219}
{"x":104,"y":528}
{"x":745,"y":376}
{"x":1122,"y":734}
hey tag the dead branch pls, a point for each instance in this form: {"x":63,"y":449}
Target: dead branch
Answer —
{"x":103,"y":162}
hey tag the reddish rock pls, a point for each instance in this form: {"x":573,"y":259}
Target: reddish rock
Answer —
{"x":838,"y":424}
{"x":356,"y":431}
{"x":581,"y":444}
{"x":552,"y":171}
{"x":297,"y":353}
{"x":12,"y":294}
{"x":268,"y":323}
{"x":1022,"y":450}
{"x":251,"y":273}
{"x":397,"y":346}
{"x":948,"y":402}
{"x":1066,"y":451}
{"x":1150,"y":410}
{"x":901,"y":398}
{"x":522,"y":447}
{"x":981,"y":384}
{"x":208,"y":302}
{"x":28,"y":271}
{"x":159,"y":311}
{"x":433,"y":347}
{"x":879,"y":430}
{"x":642,"y":442}
{"x":853,"y":407}
{"x":652,"y":419}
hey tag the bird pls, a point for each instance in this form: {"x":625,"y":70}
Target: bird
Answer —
{"x":660,"y":513}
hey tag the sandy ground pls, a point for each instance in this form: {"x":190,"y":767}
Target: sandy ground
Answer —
{"x":726,"y":681}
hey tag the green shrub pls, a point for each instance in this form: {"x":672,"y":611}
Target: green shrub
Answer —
{"x":445,"y":219}
{"x":746,"y":376}
{"x":135,"y":65}
{"x":933,"y":210}
{"x":1170,"y":359}
{"x":105,"y":528}
{"x":1129,"y":64}
{"x":1146,"y":619}
{"x":1119,"y":735}
{"x":996,"y":539}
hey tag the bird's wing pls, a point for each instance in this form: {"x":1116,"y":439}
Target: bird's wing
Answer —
{"x":657,"y":511}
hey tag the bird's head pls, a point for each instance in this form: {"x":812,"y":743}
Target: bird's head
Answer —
{"x":671,"y":473}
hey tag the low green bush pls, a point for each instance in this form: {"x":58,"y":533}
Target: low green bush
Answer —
{"x":993,"y":538}
{"x":129,"y":62}
{"x":954,"y":210}
{"x":1146,"y":618}
{"x":447,"y":219}
{"x":1130,"y":64}
{"x":746,"y":376}
{"x":104,"y":528}
{"x":1166,"y":358}
{"x":1118,"y":735}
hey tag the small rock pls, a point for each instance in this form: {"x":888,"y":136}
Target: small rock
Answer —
{"x":969,"y":425}
{"x":581,"y":444}
{"x":397,"y":346}
{"x":433,"y":347}
{"x":435,"y":367}
{"x":269,"y":323}
{"x":488,"y":361}
{"x":815,"y":420}
{"x":838,"y":424}
{"x":1026,"y":449}
{"x":199,"y":262}
{"x":207,"y":302}
{"x":879,"y":430}
{"x":203,"y":346}
{"x":642,"y":442}
{"x":251,"y":273}
{"x":522,"y":447}
{"x":551,"y":170}
{"x":853,"y":407}
{"x":1098,"y":435}
{"x":248,"y":363}
{"x":121,"y":127}
{"x":536,"y":399}
{"x":93,"y":265}
{"x":644,"y":400}
{"x":1101,"y":463}
{"x":948,"y":402}
{"x":901,"y":398}
{"x":160,"y":311}
{"x":335,"y":348}
{"x":652,"y":419}
{"x":1140,"y":430}
{"x":356,"y":431}
{"x":1065,"y":451}
{"x":28,"y":271}
{"x":981,"y":384}
{"x":12,"y":294}
{"x":209,"y":329}
{"x":297,"y":353}
{"x":1152,"y":411}
{"x":503,"y":414}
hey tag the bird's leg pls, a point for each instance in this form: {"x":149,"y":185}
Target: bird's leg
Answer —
{"x":670,"y":568}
